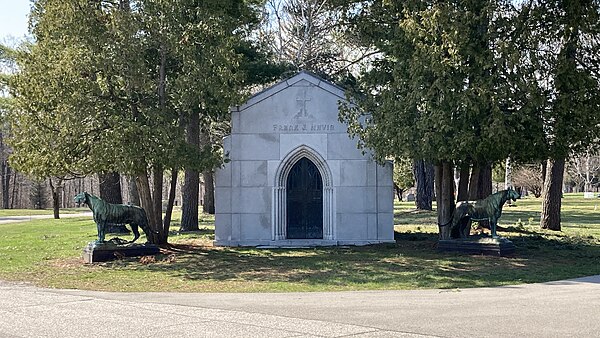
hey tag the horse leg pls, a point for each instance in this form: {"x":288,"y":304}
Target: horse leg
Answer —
{"x":101,"y":231}
{"x":99,"y":227}
{"x":136,"y":232}
{"x":493,"y":223}
{"x":147,"y":232}
{"x":455,"y":228}
{"x":466,"y":230}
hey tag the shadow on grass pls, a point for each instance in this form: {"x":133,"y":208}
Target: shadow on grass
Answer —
{"x":413,"y":262}
{"x":202,"y":232}
{"x":519,"y":230}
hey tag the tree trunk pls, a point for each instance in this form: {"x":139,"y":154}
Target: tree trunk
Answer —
{"x":55,"y":204}
{"x":14,"y":191}
{"x":424,"y":174}
{"x":544,"y":168}
{"x":189,"y":204}
{"x":398,"y":192}
{"x":508,"y":178}
{"x":157,"y":185}
{"x":110,"y":188}
{"x":134,"y":196}
{"x":551,"y":194}
{"x":110,"y":191}
{"x":209,"y":193}
{"x":6,"y":173}
{"x":55,"y":198}
{"x":480,"y":184}
{"x":157,"y":170}
{"x":474,"y":183}
{"x":484,"y":188}
{"x":463,"y":183}
{"x":508,"y":175}
{"x":169,"y":211}
{"x":143,"y":187}
{"x":444,"y":186}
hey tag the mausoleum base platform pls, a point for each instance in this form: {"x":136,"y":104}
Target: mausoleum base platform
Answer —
{"x":478,"y":245}
{"x":95,"y":252}
{"x":300,"y":243}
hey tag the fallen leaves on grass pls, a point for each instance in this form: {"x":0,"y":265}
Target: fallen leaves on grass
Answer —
{"x":147,"y":260}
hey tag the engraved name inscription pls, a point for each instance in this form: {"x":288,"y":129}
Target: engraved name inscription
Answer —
{"x":303,"y":127}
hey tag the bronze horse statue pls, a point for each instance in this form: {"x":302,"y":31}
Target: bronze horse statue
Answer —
{"x":105,"y":213}
{"x":488,"y":209}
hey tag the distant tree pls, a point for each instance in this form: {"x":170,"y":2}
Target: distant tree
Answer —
{"x":529,"y":176}
{"x":403,"y":176}
{"x":584,"y":169}
{"x":302,"y":32}
{"x":310,"y":35}
{"x":38,"y":193}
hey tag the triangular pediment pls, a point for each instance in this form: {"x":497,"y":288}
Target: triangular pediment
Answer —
{"x":302,"y":78}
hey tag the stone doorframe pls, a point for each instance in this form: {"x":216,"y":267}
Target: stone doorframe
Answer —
{"x":278,"y":210}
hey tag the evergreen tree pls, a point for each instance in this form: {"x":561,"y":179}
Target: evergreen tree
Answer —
{"x":440,"y":90}
{"x":561,"y":44}
{"x":107,"y":86}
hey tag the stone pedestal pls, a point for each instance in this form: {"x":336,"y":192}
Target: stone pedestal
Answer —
{"x":95,"y":252}
{"x":478,"y":245}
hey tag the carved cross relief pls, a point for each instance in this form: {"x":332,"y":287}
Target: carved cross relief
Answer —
{"x":301,"y":101}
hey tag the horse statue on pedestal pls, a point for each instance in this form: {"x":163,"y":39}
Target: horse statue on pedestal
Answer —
{"x":105,"y":213}
{"x":488,"y":209}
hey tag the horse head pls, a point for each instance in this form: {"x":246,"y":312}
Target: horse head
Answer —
{"x":81,"y":198}
{"x":512,"y":195}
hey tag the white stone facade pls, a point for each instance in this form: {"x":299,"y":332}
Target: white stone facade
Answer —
{"x":293,"y":120}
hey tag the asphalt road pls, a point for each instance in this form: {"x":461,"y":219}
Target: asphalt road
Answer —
{"x":557,"y":309}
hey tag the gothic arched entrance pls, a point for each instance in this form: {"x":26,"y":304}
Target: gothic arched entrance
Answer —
{"x":304,"y":201}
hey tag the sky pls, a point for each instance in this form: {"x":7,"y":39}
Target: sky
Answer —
{"x":13,"y":20}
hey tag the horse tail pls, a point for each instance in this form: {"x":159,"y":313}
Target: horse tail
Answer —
{"x":454,"y":213}
{"x":446,"y":224}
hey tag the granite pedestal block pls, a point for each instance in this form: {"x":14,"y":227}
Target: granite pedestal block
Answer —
{"x":478,"y":245}
{"x":95,"y":252}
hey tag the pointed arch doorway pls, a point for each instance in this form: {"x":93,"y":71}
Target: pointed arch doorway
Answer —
{"x":304,"y":201}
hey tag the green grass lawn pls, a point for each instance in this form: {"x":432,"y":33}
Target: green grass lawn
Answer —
{"x":29,"y":212}
{"x":47,"y":253}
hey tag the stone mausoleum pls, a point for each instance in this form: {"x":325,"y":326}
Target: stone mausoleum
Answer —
{"x":295,"y":177}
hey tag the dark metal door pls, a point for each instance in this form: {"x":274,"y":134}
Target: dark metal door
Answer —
{"x":304,"y":201}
